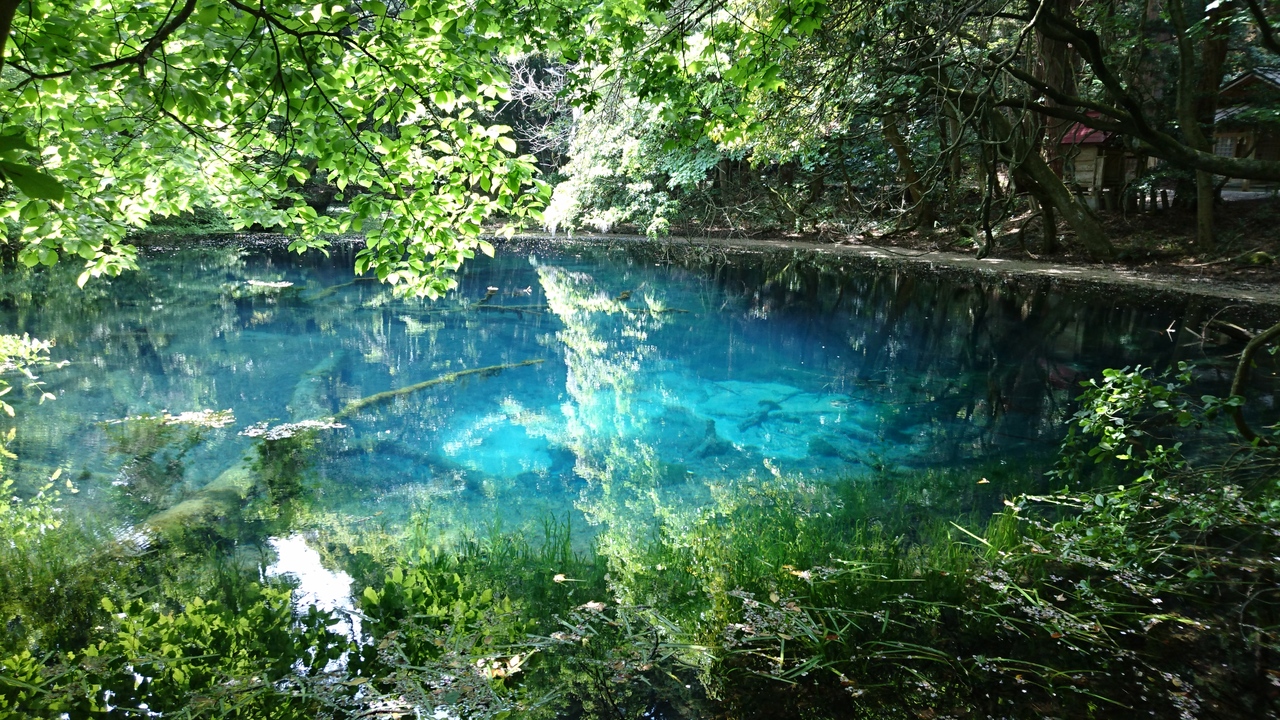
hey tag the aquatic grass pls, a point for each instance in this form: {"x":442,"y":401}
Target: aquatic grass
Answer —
{"x":845,"y":616}
{"x":843,"y":592}
{"x":52,"y":574}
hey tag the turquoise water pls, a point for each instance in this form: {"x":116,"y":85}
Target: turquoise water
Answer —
{"x":642,"y":377}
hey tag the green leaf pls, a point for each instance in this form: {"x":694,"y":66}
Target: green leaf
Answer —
{"x":15,"y":139}
{"x":32,"y":182}
{"x":507,"y":144}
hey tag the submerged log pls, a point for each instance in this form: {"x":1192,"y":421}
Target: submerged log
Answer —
{"x":356,"y":406}
{"x":306,"y":399}
{"x":520,"y":309}
{"x":333,"y":289}
{"x":225,"y":493}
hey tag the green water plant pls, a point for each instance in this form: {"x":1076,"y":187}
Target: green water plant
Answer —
{"x":1149,"y":587}
{"x":205,"y":660}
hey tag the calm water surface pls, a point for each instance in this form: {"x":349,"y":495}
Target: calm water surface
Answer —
{"x":642,"y":378}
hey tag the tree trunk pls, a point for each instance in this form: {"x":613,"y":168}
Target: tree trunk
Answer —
{"x":951,"y":132}
{"x":1050,"y":231}
{"x":1054,"y":66}
{"x":915,"y":188}
{"x":1199,"y":77}
{"x":1204,"y":208}
{"x":1053,"y":193}
{"x":7,"y":10}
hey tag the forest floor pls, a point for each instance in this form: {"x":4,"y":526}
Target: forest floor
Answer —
{"x":1246,"y":248}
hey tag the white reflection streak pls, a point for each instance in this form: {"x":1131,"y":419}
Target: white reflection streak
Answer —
{"x":329,"y":591}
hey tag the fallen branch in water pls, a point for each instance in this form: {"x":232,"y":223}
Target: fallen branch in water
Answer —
{"x":229,"y":490}
{"x":356,"y":406}
{"x":326,"y":292}
{"x":520,"y":309}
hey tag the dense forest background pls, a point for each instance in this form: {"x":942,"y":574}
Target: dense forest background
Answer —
{"x":1100,"y":129}
{"x":882,"y":120}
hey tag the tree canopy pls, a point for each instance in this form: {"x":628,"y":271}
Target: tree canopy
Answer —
{"x":147,"y":110}
{"x":116,"y":114}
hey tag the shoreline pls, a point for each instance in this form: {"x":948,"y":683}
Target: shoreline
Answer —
{"x":1256,"y":295}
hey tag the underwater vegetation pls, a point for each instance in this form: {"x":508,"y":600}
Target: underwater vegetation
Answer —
{"x":1138,"y":578}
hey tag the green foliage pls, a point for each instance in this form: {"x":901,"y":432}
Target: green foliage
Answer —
{"x":206,"y":660}
{"x":200,"y":221}
{"x":1125,"y":421}
{"x":53,"y":573}
{"x":19,"y":354}
{"x":620,"y":173}
{"x":245,"y":104}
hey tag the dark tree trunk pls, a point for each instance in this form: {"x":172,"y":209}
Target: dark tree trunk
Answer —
{"x":1199,"y":77}
{"x":915,"y":187}
{"x":1049,"y":188}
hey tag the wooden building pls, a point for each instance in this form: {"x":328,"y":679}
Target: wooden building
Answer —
{"x":1096,"y":164}
{"x":1247,"y":124}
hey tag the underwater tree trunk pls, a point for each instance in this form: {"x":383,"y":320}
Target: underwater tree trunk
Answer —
{"x":227,"y":491}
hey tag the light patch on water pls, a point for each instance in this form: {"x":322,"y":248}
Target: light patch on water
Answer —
{"x":329,"y":591}
{"x":493,"y":445}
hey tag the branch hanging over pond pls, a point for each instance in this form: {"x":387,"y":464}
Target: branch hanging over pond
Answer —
{"x":356,"y":406}
{"x":1242,"y":378}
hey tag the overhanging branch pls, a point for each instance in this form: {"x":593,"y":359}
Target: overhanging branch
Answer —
{"x":139,"y":58}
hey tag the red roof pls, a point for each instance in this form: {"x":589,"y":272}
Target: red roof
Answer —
{"x":1079,"y":134}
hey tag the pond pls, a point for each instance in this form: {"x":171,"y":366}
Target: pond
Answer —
{"x":624,"y":479}
{"x":605,"y":386}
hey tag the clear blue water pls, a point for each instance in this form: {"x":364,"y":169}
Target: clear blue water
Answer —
{"x":660,"y":374}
